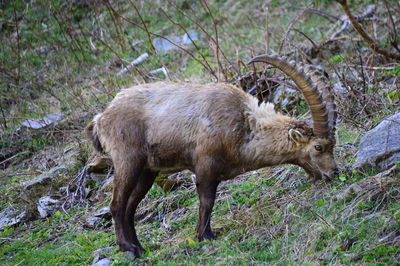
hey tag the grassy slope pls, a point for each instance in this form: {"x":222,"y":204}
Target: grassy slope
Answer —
{"x":270,"y":216}
{"x":258,"y":219}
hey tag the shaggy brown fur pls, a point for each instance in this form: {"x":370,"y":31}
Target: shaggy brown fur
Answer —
{"x":215,"y":130}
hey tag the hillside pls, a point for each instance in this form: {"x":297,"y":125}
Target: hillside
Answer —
{"x":62,"y":62}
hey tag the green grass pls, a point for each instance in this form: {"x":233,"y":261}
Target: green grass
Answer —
{"x":257,"y":220}
{"x":50,"y":242}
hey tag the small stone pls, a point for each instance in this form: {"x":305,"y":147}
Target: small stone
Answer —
{"x":93,"y":221}
{"x":103,"y":262}
{"x":100,"y":254}
{"x":104,"y":213}
{"x":47,"y":206}
{"x":45,"y":178}
{"x":10,"y":216}
{"x":40,"y":180}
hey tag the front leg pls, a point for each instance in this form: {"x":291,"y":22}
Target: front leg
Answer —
{"x":206,"y":188}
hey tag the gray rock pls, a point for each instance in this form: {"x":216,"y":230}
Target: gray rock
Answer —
{"x":60,"y":169}
{"x":100,"y":256}
{"x":339,"y":88}
{"x":42,"y":179}
{"x":10,"y":216}
{"x":379,"y":148}
{"x":44,"y":121}
{"x":104,"y":213}
{"x":93,"y":221}
{"x":45,"y":178}
{"x":163,"y":45}
{"x":47,"y":206}
{"x":103,"y":262}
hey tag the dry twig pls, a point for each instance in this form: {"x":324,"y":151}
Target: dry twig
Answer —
{"x":371,"y":43}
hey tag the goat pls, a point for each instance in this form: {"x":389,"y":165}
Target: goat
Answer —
{"x":217,"y":131}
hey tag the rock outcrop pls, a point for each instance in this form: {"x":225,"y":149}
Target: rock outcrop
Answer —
{"x":379,"y":148}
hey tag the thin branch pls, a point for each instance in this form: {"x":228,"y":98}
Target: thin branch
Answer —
{"x":371,"y":43}
{"x":116,"y":54}
{"x":308,"y":38}
{"x":321,"y":13}
{"x":170,"y":41}
{"x":4,"y":118}
{"x":362,"y":69}
{"x":190,"y":38}
{"x":217,"y":48}
{"x":144,"y":26}
{"x":289,"y":28}
{"x":313,"y":212}
{"x":204,"y":31}
{"x":355,"y":123}
{"x":117,"y":25}
{"x":18,"y":48}
{"x":394,"y":42}
{"x":373,"y":67}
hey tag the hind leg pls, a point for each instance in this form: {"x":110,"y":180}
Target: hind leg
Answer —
{"x":145,"y":182}
{"x":126,"y":178}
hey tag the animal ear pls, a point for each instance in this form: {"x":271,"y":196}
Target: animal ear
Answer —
{"x":297,"y":136}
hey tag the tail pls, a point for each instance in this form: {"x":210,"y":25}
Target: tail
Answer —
{"x":91,"y":132}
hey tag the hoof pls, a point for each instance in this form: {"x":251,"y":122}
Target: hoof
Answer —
{"x":131,"y":250}
{"x":139,"y":251}
{"x":207,"y":236}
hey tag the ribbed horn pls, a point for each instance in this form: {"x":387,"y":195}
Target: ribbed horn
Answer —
{"x":324,"y":88}
{"x":312,"y":93}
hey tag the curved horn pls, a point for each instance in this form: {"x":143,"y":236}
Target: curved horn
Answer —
{"x":315,"y":93}
{"x":324,"y":88}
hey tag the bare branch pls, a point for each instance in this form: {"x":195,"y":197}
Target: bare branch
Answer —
{"x":144,"y":26}
{"x":371,"y":43}
{"x":170,"y":41}
{"x":195,"y":21}
{"x":190,"y":38}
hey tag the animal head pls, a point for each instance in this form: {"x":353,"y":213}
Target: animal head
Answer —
{"x":314,"y":145}
{"x":314,"y":155}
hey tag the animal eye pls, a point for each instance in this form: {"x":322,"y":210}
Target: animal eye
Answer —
{"x":318,"y":147}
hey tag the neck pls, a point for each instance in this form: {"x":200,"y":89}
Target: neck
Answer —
{"x":268,"y":142}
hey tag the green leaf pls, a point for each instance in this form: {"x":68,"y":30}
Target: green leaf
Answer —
{"x":191,"y":242}
{"x":320,"y":203}
{"x":336,"y":58}
{"x":393,"y":95}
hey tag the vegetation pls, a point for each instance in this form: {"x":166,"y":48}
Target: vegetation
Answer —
{"x":66,"y":57}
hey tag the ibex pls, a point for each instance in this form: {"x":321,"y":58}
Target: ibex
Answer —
{"x":217,"y":131}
